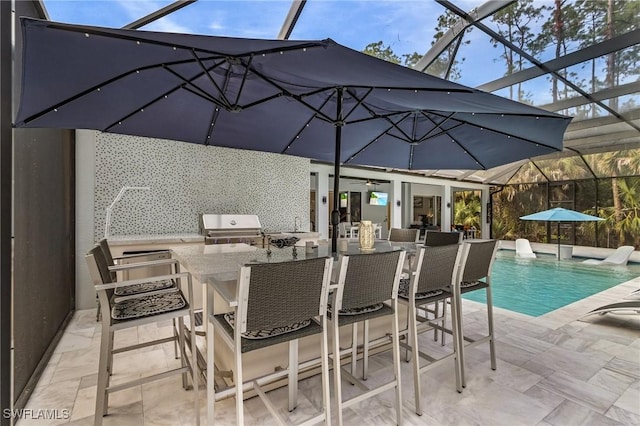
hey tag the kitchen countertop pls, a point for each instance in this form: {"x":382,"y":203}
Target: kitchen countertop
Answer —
{"x":123,"y":240}
{"x":137,"y":239}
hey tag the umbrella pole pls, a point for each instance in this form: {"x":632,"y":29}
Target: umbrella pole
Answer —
{"x":335,"y":214}
{"x":558,"y":236}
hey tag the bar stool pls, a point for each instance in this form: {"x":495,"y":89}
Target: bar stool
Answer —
{"x":475,"y":274}
{"x":432,"y":280}
{"x":119,"y":313}
{"x":277,"y":303}
{"x":367,"y":289}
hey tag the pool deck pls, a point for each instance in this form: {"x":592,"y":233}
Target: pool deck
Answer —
{"x":578,"y":251}
{"x":554,"y":369}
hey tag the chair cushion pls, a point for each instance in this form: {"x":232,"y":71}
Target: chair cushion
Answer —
{"x":403,"y":291}
{"x":265,"y":334}
{"x":359,"y":310}
{"x":467,"y":286}
{"x":143,"y":287}
{"x":143,"y":306}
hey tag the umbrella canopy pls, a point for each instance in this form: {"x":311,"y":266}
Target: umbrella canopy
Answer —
{"x":558,"y":215}
{"x":315,"y":99}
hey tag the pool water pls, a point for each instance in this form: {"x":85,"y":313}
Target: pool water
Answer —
{"x":537,"y":286}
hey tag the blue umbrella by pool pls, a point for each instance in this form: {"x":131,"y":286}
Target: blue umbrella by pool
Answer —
{"x":558,"y":215}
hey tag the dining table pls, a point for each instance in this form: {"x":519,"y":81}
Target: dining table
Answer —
{"x":217,"y":268}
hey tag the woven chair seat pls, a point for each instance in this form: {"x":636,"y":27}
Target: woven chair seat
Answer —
{"x":368,"y":312}
{"x":403,"y":291}
{"x":265,"y":334}
{"x":248,"y":345}
{"x":143,"y":306}
{"x":358,"y":310}
{"x":467,"y":286}
{"x":144,"y":287}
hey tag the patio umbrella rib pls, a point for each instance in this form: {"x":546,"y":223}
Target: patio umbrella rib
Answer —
{"x":440,"y":133}
{"x":501,"y":132}
{"x":139,"y":110}
{"x":98,"y":87}
{"x":299,"y":132}
{"x":246,"y":66}
{"x":187,"y":84}
{"x":207,"y":71}
{"x":285,"y":92}
{"x":406,"y":114}
{"x":428,"y":136}
{"x":214,"y":118}
{"x":467,"y":152}
{"x":411,"y":148}
{"x":395,"y":125}
{"x":216,"y":112}
{"x":358,"y":103}
{"x":414,"y":127}
{"x":376,"y":116}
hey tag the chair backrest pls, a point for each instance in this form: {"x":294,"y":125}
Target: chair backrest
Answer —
{"x":106,"y":251}
{"x":620,"y":256}
{"x":367,"y":279}
{"x":275,"y":295}
{"x":477,"y":259}
{"x":401,"y":235}
{"x":438,"y":238}
{"x":436,"y":267}
{"x":100,"y":274}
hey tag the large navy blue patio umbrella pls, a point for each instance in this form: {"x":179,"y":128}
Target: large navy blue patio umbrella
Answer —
{"x":560,"y":215}
{"x":315,"y":99}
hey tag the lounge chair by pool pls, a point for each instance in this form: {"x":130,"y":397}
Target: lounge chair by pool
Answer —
{"x":619,"y":257}
{"x":523,"y":249}
{"x":628,"y":308}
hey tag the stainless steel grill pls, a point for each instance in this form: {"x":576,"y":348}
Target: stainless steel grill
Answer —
{"x":231,"y":228}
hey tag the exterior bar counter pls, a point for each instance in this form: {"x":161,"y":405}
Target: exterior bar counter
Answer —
{"x":216,"y":267}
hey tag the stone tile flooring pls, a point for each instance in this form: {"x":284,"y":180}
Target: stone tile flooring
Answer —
{"x":552,"y":370}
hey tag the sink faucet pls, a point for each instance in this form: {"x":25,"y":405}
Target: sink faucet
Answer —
{"x":295,"y":224}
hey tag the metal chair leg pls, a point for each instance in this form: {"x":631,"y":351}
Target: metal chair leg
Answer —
{"x":293,"y":374}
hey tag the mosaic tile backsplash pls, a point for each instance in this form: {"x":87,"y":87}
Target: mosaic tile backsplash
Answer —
{"x":188,"y":179}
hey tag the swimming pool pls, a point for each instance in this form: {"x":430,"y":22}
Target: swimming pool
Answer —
{"x":537,"y":286}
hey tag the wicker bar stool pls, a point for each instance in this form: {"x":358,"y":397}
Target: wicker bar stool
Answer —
{"x":475,"y":274}
{"x":132,"y":310}
{"x":431,"y":282}
{"x":367,"y":289}
{"x":172,"y":265}
{"x":277,"y":303}
{"x":436,"y":239}
{"x":115,"y":265}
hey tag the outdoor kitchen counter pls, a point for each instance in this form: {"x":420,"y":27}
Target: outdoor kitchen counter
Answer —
{"x":149,"y":239}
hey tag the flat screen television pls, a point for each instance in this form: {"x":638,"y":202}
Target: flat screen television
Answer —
{"x":343,"y":199}
{"x":378,"y":198}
